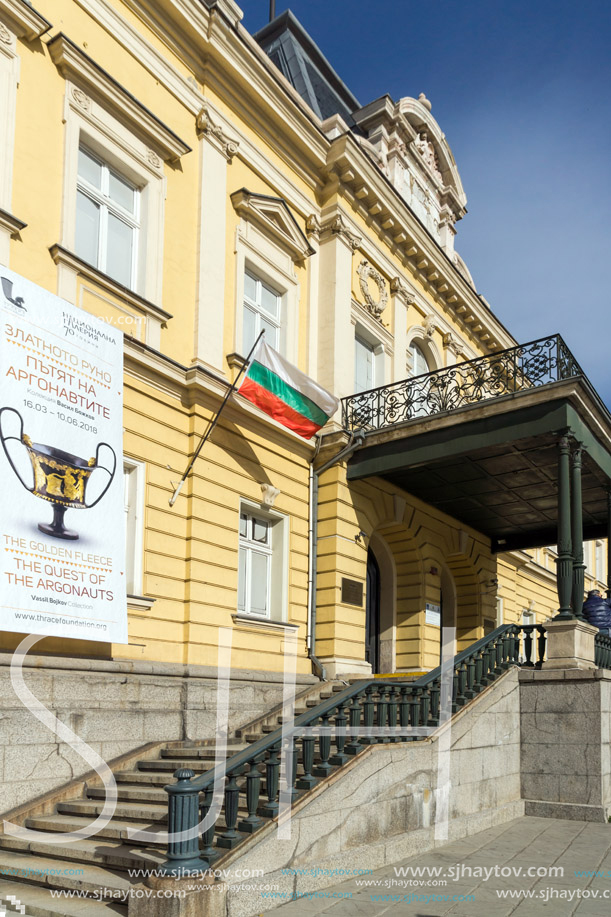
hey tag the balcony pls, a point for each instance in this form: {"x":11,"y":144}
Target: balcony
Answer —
{"x":511,"y":371}
{"x":480,"y":441}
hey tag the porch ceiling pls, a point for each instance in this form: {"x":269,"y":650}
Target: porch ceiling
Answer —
{"x":493,"y":466}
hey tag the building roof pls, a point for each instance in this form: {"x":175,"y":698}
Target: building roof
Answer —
{"x":306,"y":68}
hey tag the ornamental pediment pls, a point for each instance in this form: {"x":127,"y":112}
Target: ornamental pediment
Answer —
{"x":273,"y":217}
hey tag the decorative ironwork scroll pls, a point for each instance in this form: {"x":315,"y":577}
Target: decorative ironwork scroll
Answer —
{"x":505,"y":373}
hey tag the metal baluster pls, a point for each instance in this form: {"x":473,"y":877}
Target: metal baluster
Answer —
{"x":392,"y":714}
{"x":469,"y":691}
{"x":368,"y":717}
{"x":425,"y":702}
{"x":253,"y":785}
{"x":308,"y":742}
{"x":354,"y":747}
{"x":272,"y":778}
{"x":404,"y":710}
{"x":478,"y":684}
{"x":415,"y":711}
{"x":541,"y":646}
{"x":382,"y":715}
{"x":340,"y":757}
{"x":435,"y":690}
{"x":230,"y":837}
{"x":528,"y":647}
{"x":498,"y":648}
{"x":461,"y":700}
{"x":324,"y":747}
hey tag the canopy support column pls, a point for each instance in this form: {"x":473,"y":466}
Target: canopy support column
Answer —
{"x":577,"y":533}
{"x":564,"y":561}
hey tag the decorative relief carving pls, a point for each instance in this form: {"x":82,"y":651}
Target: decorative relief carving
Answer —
{"x":427,"y":151}
{"x":313,"y":226}
{"x":430,"y":325}
{"x":205,"y":125}
{"x":153,"y":158}
{"x":82,"y":100}
{"x":5,"y":35}
{"x":268,"y":494}
{"x":367,"y":272}
{"x":337,"y":226}
{"x":452,"y":344}
{"x":398,"y":288}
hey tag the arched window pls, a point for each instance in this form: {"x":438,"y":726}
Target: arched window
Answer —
{"x":420,"y":364}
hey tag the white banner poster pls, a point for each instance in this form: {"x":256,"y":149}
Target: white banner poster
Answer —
{"x":62,"y":516}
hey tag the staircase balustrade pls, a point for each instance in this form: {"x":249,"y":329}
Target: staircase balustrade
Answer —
{"x":602,"y":651}
{"x":377,"y":710}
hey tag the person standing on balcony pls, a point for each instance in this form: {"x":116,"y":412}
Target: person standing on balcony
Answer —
{"x":596,"y":611}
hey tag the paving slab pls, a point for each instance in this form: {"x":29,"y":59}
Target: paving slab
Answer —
{"x":525,"y":842}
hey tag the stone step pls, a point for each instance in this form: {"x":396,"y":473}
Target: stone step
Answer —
{"x":154,"y":814}
{"x":109,"y":853}
{"x":131,"y":794}
{"x":207,"y":751}
{"x":169,"y":765}
{"x":38,"y":902}
{"x":129,"y":811}
{"x":116,"y":829}
{"x":57,"y":873}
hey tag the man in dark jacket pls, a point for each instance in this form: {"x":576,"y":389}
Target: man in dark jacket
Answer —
{"x":597,"y":612}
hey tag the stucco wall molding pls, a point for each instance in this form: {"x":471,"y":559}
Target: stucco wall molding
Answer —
{"x":77,"y":66}
{"x":23,"y":19}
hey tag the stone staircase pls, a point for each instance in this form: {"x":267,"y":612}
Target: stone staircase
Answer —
{"x":97,"y":875}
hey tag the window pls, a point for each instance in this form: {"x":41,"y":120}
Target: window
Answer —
{"x":254,"y":565}
{"x":263,"y":564}
{"x":420,"y":363}
{"x":262,"y":311}
{"x":133,"y":490}
{"x":107,"y":219}
{"x":364,"y":365}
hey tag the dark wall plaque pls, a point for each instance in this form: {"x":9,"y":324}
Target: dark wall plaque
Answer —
{"x":352,"y":592}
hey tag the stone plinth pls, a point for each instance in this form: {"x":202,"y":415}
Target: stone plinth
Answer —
{"x":570,"y":645}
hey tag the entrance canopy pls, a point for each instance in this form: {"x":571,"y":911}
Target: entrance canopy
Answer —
{"x":480,"y":442}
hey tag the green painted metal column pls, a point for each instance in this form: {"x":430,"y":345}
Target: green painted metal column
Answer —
{"x":577,"y":532}
{"x":564,"y":561}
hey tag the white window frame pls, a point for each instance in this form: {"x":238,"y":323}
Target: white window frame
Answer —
{"x":101,"y":197}
{"x":257,"y":307}
{"x":278,"y":566}
{"x":364,"y":334}
{"x":600,"y":562}
{"x":264,"y":259}
{"x":89,"y":125}
{"x":134,"y":483}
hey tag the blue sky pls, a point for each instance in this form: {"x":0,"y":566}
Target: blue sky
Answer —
{"x":521,"y":91}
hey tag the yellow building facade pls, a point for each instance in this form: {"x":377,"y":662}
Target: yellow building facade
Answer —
{"x":162,"y":169}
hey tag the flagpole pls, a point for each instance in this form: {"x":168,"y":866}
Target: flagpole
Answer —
{"x":212,"y":423}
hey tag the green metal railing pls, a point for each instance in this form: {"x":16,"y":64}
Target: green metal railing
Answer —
{"x":324,"y":738}
{"x":602,"y":651}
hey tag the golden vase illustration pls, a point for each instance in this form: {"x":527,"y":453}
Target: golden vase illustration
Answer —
{"x":59,"y":477}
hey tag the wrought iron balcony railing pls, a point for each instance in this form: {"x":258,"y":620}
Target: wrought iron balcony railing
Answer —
{"x":505,"y":373}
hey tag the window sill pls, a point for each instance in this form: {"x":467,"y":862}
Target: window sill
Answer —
{"x":140,"y":603}
{"x":62,"y":256}
{"x":265,"y":623}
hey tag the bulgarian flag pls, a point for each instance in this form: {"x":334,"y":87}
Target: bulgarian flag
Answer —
{"x":285,"y":393}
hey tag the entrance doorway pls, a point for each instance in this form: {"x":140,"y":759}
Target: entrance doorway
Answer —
{"x":372,"y":613}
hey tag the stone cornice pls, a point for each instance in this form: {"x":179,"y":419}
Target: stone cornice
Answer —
{"x":77,"y":66}
{"x":61,"y":255}
{"x":377,"y":201}
{"x":11,"y":223}
{"x":23,"y":19}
